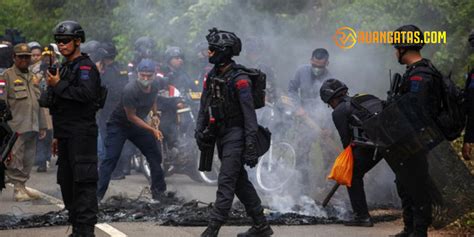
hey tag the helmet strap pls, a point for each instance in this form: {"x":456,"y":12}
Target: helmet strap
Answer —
{"x":401,"y":53}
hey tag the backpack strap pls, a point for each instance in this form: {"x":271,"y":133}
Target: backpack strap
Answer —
{"x":242,"y":70}
{"x":358,"y":99}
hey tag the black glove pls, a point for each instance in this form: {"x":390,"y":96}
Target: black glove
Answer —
{"x":250,"y":155}
{"x":204,"y":140}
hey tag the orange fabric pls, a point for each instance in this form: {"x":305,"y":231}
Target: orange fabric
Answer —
{"x":342,"y":169}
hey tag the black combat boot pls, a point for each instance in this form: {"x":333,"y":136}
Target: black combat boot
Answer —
{"x":421,"y":220}
{"x":212,"y":229}
{"x":260,"y":228}
{"x":84,"y":231}
{"x":74,"y":231}
{"x":363,"y":221}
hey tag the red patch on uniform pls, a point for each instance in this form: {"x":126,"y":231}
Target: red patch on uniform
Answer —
{"x":416,"y":78}
{"x":241,"y":84}
{"x":472,"y":76}
{"x":85,"y":67}
{"x":204,"y":85}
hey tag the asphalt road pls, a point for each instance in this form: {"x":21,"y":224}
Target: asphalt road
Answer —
{"x":185,"y":187}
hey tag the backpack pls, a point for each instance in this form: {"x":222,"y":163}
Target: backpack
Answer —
{"x":259,"y":83}
{"x":365,"y":106}
{"x":451,"y":118}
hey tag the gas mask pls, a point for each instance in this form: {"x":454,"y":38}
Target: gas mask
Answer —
{"x":144,"y":83}
{"x":318,"y":71}
{"x":220,"y":56}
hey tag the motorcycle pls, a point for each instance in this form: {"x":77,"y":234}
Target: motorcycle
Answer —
{"x":184,"y":158}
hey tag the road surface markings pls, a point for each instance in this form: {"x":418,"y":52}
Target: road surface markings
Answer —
{"x":104,"y":227}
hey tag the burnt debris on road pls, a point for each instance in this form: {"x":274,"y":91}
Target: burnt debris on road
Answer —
{"x":174,"y":211}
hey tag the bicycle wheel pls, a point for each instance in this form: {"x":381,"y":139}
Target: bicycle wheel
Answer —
{"x":276,"y":167}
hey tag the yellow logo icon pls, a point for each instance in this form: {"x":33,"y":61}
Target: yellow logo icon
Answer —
{"x":345,"y":37}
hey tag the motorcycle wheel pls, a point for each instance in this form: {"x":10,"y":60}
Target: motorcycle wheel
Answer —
{"x":137,"y":162}
{"x":146,"y":169}
{"x":276,"y":167}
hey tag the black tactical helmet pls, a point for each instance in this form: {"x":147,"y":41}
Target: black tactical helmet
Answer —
{"x":222,"y":39}
{"x":332,"y":88}
{"x":70,"y":28}
{"x":107,"y":50}
{"x":172,"y":52}
{"x":90,"y":46}
{"x":144,"y":42}
{"x":406,"y":45}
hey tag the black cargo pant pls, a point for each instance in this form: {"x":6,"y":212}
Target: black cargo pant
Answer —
{"x":77,"y":177}
{"x":233,"y":178}
{"x":363,"y":162}
{"x":414,"y":188}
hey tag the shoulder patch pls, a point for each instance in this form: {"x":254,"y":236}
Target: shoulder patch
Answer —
{"x":3,"y":84}
{"x":85,"y":74}
{"x":415,"y":82}
{"x":416,"y":78}
{"x":85,"y":68}
{"x":241,"y":84}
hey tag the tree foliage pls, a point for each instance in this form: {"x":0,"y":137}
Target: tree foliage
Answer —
{"x":185,"y":22}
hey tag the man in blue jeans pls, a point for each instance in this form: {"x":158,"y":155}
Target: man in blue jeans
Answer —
{"x":127,"y":122}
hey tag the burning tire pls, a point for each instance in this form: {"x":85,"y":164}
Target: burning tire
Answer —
{"x":276,"y":167}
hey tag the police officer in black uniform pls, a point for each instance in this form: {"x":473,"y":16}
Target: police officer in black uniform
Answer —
{"x":173,"y":70}
{"x":347,"y":116}
{"x":91,"y":48}
{"x":227,"y":102}
{"x":412,"y":178}
{"x":73,"y":102}
{"x":144,"y":48}
{"x":469,"y":88}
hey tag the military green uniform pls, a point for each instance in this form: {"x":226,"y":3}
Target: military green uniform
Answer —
{"x":21,"y":94}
